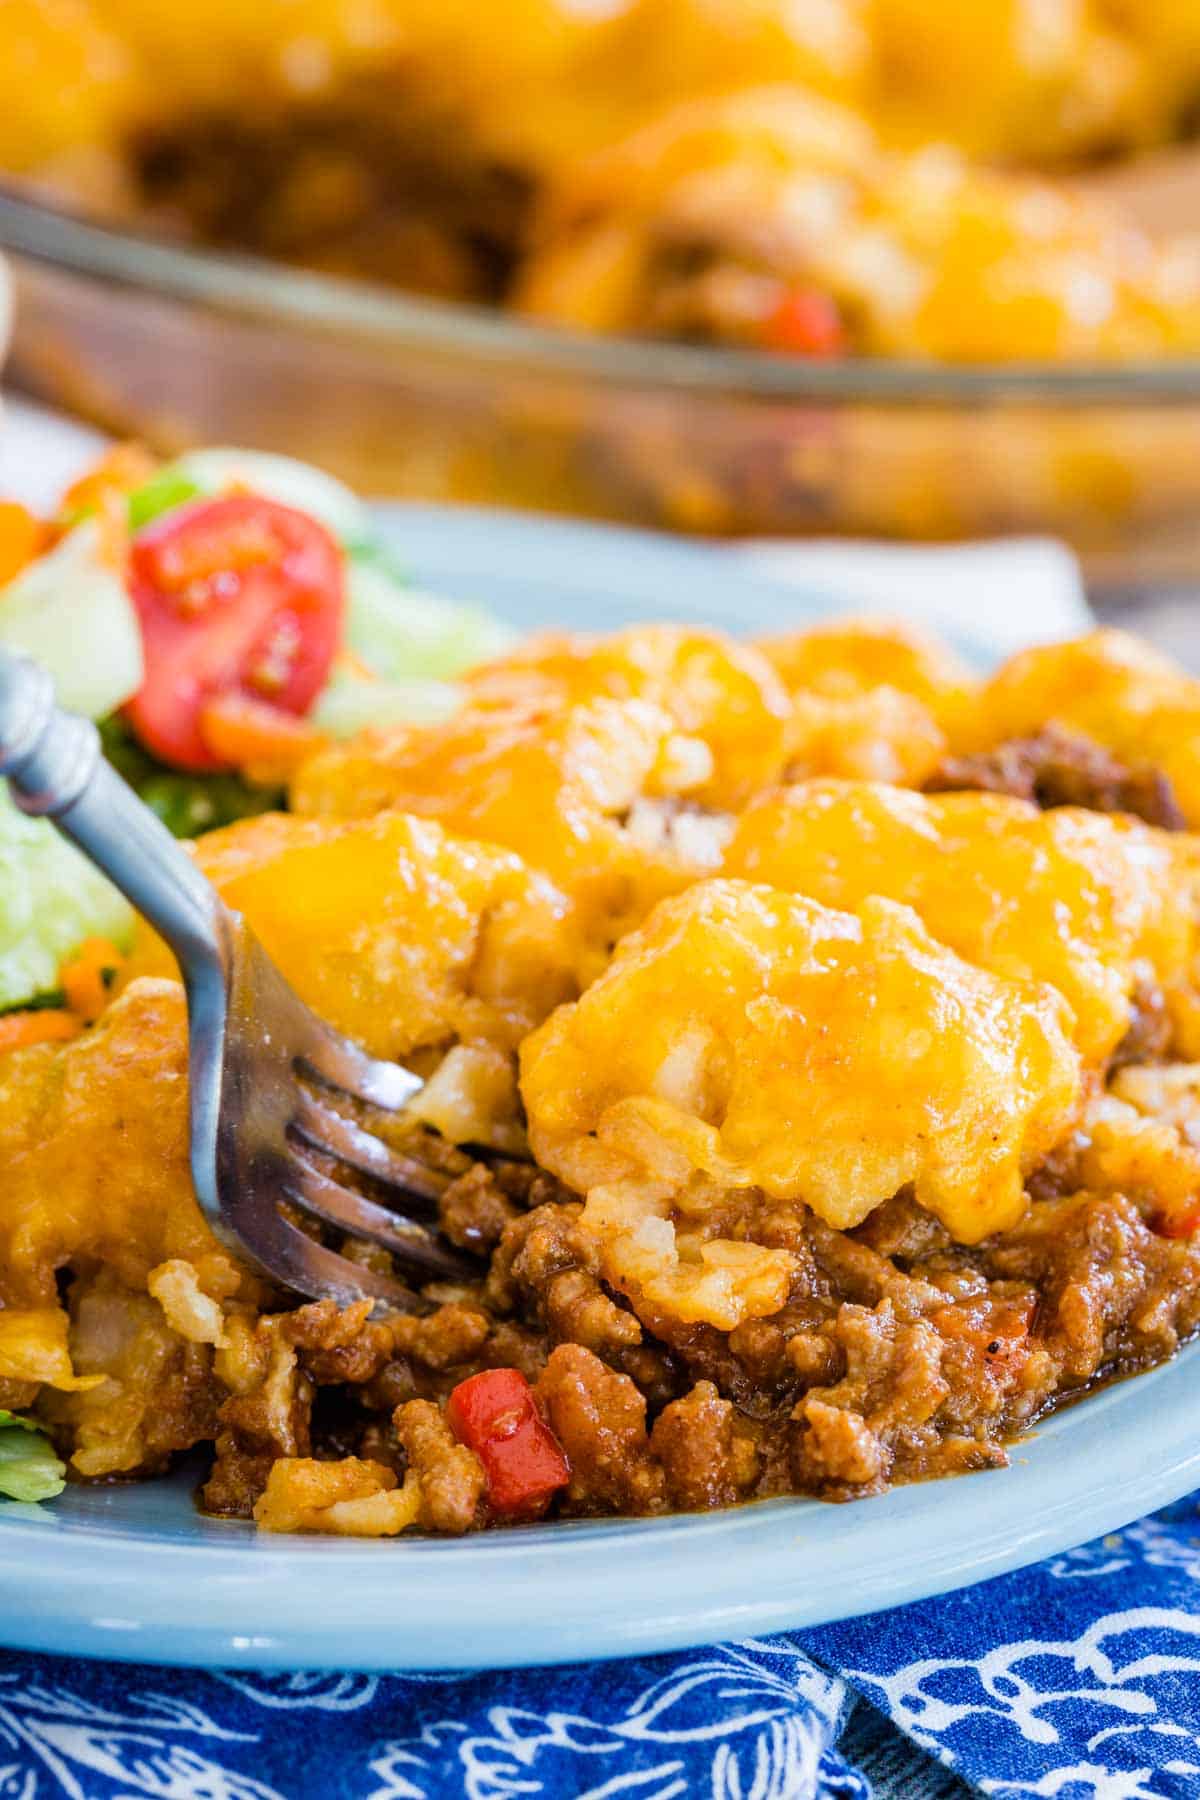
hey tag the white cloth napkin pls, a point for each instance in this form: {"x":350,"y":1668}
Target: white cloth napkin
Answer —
{"x":1005,"y":592}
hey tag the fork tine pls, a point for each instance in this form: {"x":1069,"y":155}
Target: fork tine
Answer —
{"x":410,"y":1242}
{"x":336,"y":1063}
{"x":339,"y":1136}
{"x":287,"y":1256}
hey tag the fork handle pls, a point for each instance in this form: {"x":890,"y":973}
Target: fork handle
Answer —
{"x":55,"y":769}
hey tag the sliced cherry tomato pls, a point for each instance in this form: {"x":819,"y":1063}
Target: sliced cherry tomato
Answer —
{"x":236,"y":596}
{"x":495,"y":1414}
{"x":805,"y":322}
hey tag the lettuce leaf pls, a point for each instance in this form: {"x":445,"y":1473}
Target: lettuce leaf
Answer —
{"x":51,"y":899}
{"x":29,"y":1469}
{"x":186,"y":804}
{"x":69,"y":611}
{"x":403,"y":633}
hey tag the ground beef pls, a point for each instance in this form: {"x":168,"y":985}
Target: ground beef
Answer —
{"x":599,"y":1418}
{"x":546,"y":1266}
{"x":707,"y":1460}
{"x":271,"y":1420}
{"x":430,"y":1354}
{"x":835,"y":1451}
{"x":844,"y":1436}
{"x":903,"y":1231}
{"x":533,"y":1250}
{"x":452,"y":1479}
{"x":1114,"y":1296}
{"x":899,"y":1354}
{"x":1058,"y":1175}
{"x":319,"y":182}
{"x":474,"y":1211}
{"x":1060,"y":768}
{"x":516,"y":1346}
{"x":453,"y":1335}
{"x":336,"y":1345}
{"x":1148,"y":1039}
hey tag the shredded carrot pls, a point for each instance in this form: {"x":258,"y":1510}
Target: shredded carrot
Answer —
{"x":21,"y":538}
{"x":47,"y":1026}
{"x":88,"y":976}
{"x":121,"y":471}
{"x":263,"y":742}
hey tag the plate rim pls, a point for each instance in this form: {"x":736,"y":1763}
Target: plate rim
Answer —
{"x":286,"y":1603}
{"x":85,"y":1578}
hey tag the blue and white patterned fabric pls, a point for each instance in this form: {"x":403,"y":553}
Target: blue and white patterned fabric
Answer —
{"x":1078,"y":1679}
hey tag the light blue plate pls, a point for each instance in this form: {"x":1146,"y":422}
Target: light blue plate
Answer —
{"x":136,"y":1572}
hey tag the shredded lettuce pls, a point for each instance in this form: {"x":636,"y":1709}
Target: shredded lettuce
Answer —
{"x":29,"y":1469}
{"x":51,"y":899}
{"x":169,"y":488}
{"x":282,"y":478}
{"x":186,"y":804}
{"x":352,"y":703}
{"x":405,"y":634}
{"x":69,"y":611}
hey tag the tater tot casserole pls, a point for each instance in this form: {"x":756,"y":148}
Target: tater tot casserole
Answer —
{"x":810,"y":1033}
{"x":812,"y":177}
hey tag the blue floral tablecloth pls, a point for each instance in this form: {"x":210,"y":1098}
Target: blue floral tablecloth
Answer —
{"x":1078,"y":1679}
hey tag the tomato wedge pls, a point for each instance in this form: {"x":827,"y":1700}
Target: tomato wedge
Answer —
{"x":236,"y":596}
{"x":495,"y":1414}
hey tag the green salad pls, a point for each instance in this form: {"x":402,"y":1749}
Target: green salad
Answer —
{"x":398,"y":652}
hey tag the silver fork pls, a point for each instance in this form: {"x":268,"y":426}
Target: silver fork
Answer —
{"x":252,"y":1043}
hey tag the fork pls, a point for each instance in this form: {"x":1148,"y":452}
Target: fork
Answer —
{"x":260,"y":1061}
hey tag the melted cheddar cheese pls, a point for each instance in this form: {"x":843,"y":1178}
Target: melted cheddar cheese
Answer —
{"x":759,"y":1039}
{"x":1112,"y":687}
{"x":400,"y":935}
{"x":872,"y":699}
{"x":715,"y":689}
{"x":578,"y":792}
{"x":1084,"y":901}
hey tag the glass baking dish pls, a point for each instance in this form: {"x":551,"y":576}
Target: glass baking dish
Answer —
{"x":408,"y":397}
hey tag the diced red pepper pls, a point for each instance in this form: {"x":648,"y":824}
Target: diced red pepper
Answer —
{"x":495,"y":1414}
{"x":995,"y":1335}
{"x":805,"y":322}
